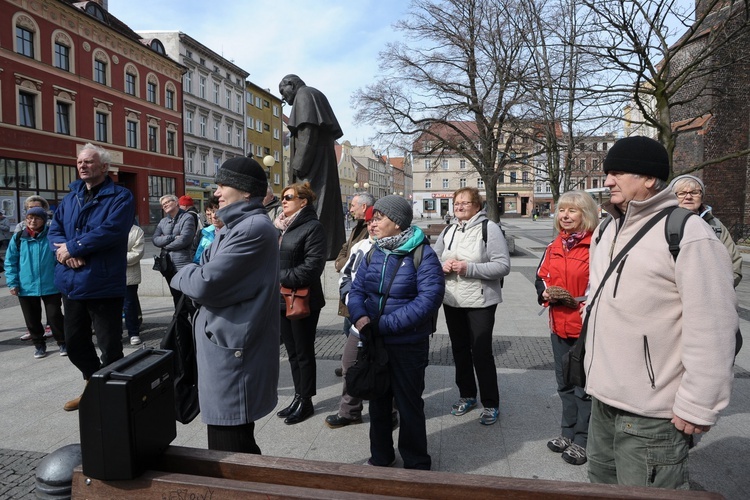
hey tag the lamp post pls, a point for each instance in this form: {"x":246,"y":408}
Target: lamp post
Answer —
{"x":269,"y":162}
{"x":355,"y":185}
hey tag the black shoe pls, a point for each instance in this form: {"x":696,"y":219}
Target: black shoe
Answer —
{"x":304,"y":410}
{"x":334,"y":421}
{"x":339,"y":372}
{"x":289,"y":409}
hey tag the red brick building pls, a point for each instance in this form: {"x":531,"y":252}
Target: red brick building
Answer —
{"x":72,"y":73}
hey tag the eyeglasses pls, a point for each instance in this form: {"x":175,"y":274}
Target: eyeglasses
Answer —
{"x":463,"y":204}
{"x":693,"y":193}
{"x":33,"y":217}
{"x":289,"y":197}
{"x":377,"y":219}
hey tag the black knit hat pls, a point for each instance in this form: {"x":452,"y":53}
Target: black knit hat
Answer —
{"x":395,"y":208}
{"x":244,"y":174}
{"x":638,"y":155}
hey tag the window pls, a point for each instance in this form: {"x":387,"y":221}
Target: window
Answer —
{"x":238,"y":133}
{"x":250,"y":122}
{"x":445,"y":165}
{"x":189,"y":122}
{"x":501,"y":179}
{"x":202,"y":126}
{"x":604,"y":146}
{"x":257,"y":102}
{"x":27,"y":109}
{"x":595,"y":164}
{"x":512,"y":177}
{"x":229,"y":133}
{"x":266,"y":104}
{"x":217,"y":163}
{"x":258,"y":126}
{"x":462,"y":164}
{"x":170,"y":142}
{"x":202,"y":87}
{"x":62,"y":122}
{"x":216,"y":93}
{"x":249,"y":98}
{"x":582,"y":163}
{"x":216,"y":129}
{"x":62,"y":56}
{"x":228,"y":95}
{"x":129,"y":83}
{"x":427,"y":164}
{"x":276,"y":179}
{"x":169,"y":99}
{"x":190,"y":161}
{"x":275,"y":110}
{"x":596,"y":146}
{"x":188,"y":82}
{"x":480,"y":184}
{"x":276,"y":133}
{"x":445,"y":183}
{"x":131,"y":134}
{"x":24,"y":42}
{"x":266,"y":127}
{"x":151,"y":92}
{"x":153,"y":141}
{"x":428,"y":183}
{"x":595,"y":183}
{"x":462,"y":182}
{"x":204,"y":160}
{"x":238,"y":108}
{"x":100,"y":72}
{"x":525,"y":177}
{"x":101,"y":127}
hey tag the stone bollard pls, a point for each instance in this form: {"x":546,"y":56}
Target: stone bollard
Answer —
{"x":54,"y":475}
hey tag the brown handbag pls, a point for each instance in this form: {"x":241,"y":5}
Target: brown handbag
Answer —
{"x":297,"y":302}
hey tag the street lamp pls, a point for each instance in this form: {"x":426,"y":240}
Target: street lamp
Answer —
{"x":269,"y":162}
{"x":366,"y":185}
{"x":355,"y":185}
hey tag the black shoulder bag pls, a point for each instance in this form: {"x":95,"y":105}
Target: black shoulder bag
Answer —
{"x":369,"y":378}
{"x":574,"y":372}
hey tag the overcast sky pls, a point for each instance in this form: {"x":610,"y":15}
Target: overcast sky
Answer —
{"x":331,"y":44}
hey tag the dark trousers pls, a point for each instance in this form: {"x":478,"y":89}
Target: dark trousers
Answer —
{"x":299,"y":340}
{"x":576,"y":404}
{"x":105,"y":315}
{"x":407,"y":364}
{"x":235,"y":438}
{"x":31,"y":307}
{"x":132,"y":309}
{"x":470,"y":331}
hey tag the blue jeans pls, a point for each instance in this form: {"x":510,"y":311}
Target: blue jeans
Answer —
{"x":407,"y":364}
{"x":576,"y":404}
{"x":132,"y":309}
{"x":632,"y":450}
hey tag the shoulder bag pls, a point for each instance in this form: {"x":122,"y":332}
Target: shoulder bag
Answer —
{"x":297,"y":302}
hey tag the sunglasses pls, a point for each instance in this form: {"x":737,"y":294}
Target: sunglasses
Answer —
{"x":289,"y":197}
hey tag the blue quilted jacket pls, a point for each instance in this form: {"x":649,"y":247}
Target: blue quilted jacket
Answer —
{"x":415,"y":295}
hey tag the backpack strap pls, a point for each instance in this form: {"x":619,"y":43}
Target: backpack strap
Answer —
{"x":675,"y":227}
{"x":602,"y":227}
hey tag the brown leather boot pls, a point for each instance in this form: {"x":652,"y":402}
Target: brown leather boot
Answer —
{"x":72,"y":405}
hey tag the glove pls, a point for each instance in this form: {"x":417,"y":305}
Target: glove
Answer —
{"x":562,"y":296}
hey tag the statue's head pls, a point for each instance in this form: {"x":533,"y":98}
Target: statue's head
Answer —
{"x":289,"y":86}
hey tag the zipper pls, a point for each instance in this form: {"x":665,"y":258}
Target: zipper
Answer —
{"x":619,"y":273}
{"x":649,"y":366}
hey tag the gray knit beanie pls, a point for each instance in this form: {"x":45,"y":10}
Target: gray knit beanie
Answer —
{"x":244,"y":174}
{"x":688,"y":177}
{"x":395,"y":208}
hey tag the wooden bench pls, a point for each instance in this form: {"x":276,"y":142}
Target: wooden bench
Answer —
{"x":202,"y":474}
{"x":434,"y":230}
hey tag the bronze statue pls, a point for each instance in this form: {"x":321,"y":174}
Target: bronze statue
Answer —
{"x":314,"y":129}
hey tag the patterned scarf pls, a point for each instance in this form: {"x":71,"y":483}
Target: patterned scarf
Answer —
{"x":283,"y":222}
{"x":570,"y":240}
{"x":393,"y":242}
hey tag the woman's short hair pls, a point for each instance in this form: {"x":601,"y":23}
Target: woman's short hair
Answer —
{"x":686,"y":183}
{"x":36,"y":199}
{"x":473,"y":193}
{"x":303,"y":191}
{"x":168,"y":197}
{"x":584,"y":202}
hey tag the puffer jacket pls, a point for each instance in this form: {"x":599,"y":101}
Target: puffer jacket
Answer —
{"x":96,"y":231}
{"x":302,"y":256}
{"x":31,"y":268}
{"x":176,"y":235}
{"x":569,"y":270}
{"x":487,"y":262}
{"x":661,"y":335}
{"x":415,"y":294}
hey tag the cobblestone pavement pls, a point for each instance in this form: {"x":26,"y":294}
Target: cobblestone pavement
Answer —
{"x":17,"y":469}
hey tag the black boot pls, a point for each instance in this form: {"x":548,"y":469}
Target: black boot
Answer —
{"x":291,"y":408}
{"x":304,"y":411}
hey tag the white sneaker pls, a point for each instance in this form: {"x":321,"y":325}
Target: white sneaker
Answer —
{"x":47,"y":331}
{"x":26,"y":336}
{"x":136,"y":340}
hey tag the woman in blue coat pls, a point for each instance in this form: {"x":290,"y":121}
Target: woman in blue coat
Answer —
{"x":30,"y":275}
{"x":409,"y":290}
{"x":236,"y":339}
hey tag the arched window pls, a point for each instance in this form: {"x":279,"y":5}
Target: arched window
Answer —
{"x":26,"y":38}
{"x":101,"y":67}
{"x":131,"y":80}
{"x":63,"y":53}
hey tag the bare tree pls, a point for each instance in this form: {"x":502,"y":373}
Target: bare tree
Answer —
{"x":637,"y":43}
{"x":457,"y":85}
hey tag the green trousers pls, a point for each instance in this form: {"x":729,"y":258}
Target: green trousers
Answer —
{"x":628,"y":449}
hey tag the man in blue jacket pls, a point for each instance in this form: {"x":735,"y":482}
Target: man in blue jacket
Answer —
{"x":89,"y":235}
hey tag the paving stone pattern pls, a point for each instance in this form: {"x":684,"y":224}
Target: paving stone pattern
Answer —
{"x":17,"y":473}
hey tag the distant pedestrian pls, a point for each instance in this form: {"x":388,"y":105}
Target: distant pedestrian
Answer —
{"x":563,"y":275}
{"x":208,"y":233}
{"x":30,"y":275}
{"x":132,"y":305}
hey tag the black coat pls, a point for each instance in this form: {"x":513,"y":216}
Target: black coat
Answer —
{"x":302,"y":256}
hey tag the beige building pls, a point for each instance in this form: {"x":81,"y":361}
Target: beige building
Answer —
{"x":265,"y":132}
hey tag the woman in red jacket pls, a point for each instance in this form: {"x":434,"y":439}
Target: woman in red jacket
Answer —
{"x":562,"y":281}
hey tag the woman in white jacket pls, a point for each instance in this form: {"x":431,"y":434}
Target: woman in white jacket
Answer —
{"x":475,"y":258}
{"x":132,"y":306}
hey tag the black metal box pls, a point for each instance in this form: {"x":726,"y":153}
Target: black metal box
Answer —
{"x":126,"y":415}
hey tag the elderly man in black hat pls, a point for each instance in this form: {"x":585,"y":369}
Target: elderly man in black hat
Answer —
{"x":237,"y":284}
{"x":661,"y":331}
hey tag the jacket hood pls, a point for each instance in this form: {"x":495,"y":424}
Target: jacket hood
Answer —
{"x":474,"y":221}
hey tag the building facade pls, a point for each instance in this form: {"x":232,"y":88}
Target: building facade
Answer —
{"x":213,"y":110}
{"x":72,"y":73}
{"x":265,"y":132}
